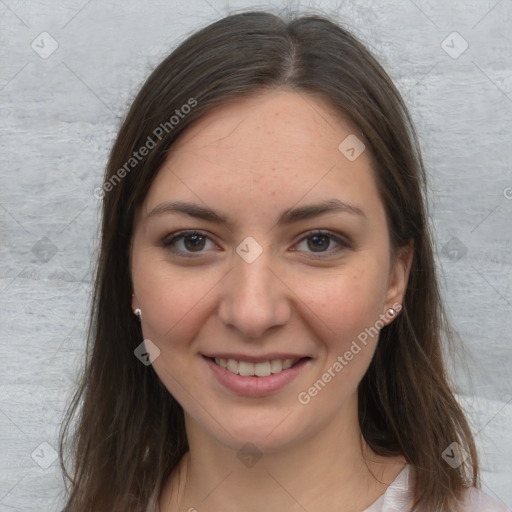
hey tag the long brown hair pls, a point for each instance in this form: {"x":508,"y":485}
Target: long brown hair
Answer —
{"x":130,"y":431}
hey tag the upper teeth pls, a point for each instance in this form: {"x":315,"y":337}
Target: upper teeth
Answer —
{"x":262,"y":369}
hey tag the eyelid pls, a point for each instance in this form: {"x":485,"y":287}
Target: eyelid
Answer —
{"x":343,"y":242}
{"x":179,"y":235}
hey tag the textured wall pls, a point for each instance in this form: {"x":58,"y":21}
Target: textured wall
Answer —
{"x":59,"y":113}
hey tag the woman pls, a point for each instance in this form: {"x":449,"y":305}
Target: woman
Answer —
{"x":267,"y":329}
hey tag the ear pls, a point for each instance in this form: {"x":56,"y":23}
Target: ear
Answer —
{"x":399,"y":276}
{"x":135,"y":302}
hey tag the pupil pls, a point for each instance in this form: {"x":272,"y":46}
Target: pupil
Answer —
{"x":316,"y":237}
{"x":194,"y":245}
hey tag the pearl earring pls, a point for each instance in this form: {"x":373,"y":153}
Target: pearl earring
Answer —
{"x":138,"y":312}
{"x":391,"y":312}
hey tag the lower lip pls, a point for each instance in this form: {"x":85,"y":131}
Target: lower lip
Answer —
{"x":255,"y":386}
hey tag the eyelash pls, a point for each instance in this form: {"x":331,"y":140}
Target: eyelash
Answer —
{"x":168,"y":242}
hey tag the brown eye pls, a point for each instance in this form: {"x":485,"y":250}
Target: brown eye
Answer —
{"x":319,"y":242}
{"x":191,"y":242}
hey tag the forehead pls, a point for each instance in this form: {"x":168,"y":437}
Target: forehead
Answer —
{"x":270,"y":122}
{"x":277,"y":146}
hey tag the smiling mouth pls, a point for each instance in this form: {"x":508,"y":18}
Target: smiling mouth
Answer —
{"x":261,"y":369}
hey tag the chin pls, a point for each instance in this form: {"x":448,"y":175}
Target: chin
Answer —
{"x":269,"y":434}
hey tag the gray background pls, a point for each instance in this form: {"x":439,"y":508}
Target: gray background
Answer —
{"x":59,"y":115}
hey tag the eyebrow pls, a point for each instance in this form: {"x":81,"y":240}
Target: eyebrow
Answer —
{"x":289,"y":216}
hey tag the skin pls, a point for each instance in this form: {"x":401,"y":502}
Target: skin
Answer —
{"x":251,"y":160}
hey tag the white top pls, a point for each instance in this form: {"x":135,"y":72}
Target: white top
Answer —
{"x":398,"y":498}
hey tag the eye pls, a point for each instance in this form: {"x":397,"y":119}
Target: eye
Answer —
{"x":321,"y":240}
{"x":193,"y":242}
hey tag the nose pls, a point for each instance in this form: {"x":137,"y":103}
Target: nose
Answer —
{"x":254,"y":298}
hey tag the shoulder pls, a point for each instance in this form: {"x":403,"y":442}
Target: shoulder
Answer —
{"x":399,"y":496}
{"x":477,"y":500}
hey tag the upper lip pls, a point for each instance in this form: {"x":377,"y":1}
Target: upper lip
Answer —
{"x":254,"y":359}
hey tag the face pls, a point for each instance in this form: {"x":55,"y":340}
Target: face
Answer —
{"x":252,"y":276}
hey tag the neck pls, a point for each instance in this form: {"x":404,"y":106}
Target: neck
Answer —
{"x":332,"y":467}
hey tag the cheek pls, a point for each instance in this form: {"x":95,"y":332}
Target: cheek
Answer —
{"x":349,"y":302}
{"x":174,"y":312}
{"x":172,"y":303}
{"x":351,"y":309}
{"x":168,"y":296}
